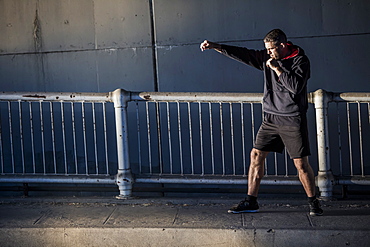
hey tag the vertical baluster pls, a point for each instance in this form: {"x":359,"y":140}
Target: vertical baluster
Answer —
{"x":138,"y":135}
{"x":84,"y":137}
{"x":211,"y":135}
{"x":21,"y":136}
{"x":286,"y":162}
{"x":74,"y":136}
{"x":64,"y":138}
{"x":105,"y":139}
{"x":53,"y":136}
{"x":201,"y":137}
{"x":180,"y":139}
{"x":169,"y":137}
{"x":360,"y":136}
{"x":11,"y":137}
{"x":243,"y":138}
{"x":158,"y":120}
{"x":222,"y":140}
{"x":276,"y":164}
{"x":349,"y":139}
{"x":191,"y":140}
{"x":32,"y":138}
{"x":149,"y":138}
{"x":42,"y":137}
{"x":95,"y":138}
{"x":232,"y":137}
{"x":252,"y":123}
{"x":339,"y":141}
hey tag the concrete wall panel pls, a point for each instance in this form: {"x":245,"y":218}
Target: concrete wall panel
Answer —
{"x":19,"y":73}
{"x":66,"y":25}
{"x":346,"y":17}
{"x":186,"y":68}
{"x":71,"y":72}
{"x":94,"y":71}
{"x":130,"y":69}
{"x":122,"y":23}
{"x":16,"y":26}
{"x":179,"y":22}
{"x":338,"y":63}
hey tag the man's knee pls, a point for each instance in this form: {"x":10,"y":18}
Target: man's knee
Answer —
{"x":257,"y":156}
{"x":302,"y":164}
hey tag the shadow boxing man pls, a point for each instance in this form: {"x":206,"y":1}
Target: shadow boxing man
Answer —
{"x":286,"y":71}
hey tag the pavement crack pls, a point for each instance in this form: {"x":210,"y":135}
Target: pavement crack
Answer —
{"x":309,"y":220}
{"x":251,"y":221}
{"x":254,"y":236}
{"x":109,"y":216}
{"x":176,"y":217}
{"x":40,"y":218}
{"x":243,"y":220}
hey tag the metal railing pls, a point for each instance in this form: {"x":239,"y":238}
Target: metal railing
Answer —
{"x":161,"y":137}
{"x":54,"y":138}
{"x":350,"y":141}
{"x":201,"y":138}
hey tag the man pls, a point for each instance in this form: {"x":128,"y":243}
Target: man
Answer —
{"x":286,"y":70}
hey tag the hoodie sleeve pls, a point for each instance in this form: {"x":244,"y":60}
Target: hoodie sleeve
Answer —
{"x":254,"y":58}
{"x":295,"y":79}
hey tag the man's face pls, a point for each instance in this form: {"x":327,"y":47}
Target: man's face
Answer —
{"x":275,"y":51}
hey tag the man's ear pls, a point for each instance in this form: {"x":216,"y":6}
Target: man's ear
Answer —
{"x":283,"y":45}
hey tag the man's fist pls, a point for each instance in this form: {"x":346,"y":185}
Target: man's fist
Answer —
{"x":274,"y":65}
{"x":206,"y":45}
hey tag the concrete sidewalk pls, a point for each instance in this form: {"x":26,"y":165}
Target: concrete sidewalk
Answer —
{"x":179,"y":222}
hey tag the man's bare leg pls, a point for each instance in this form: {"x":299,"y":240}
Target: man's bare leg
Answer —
{"x":255,"y":175}
{"x":306,"y":175}
{"x":256,"y":171}
{"x":307,"y":178}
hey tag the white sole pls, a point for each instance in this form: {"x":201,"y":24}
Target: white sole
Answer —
{"x":245,"y":211}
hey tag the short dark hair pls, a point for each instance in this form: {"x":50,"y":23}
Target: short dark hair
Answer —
{"x":276,"y":36}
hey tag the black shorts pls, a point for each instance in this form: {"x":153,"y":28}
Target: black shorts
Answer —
{"x":273,"y":138}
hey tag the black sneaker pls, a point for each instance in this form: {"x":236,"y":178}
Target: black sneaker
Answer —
{"x":315,"y":208}
{"x":244,"y":207}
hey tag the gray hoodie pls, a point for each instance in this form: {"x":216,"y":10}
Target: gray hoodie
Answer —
{"x":285,"y":95}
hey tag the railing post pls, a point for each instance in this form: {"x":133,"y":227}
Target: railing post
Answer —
{"x":124,"y":178}
{"x":325,"y":178}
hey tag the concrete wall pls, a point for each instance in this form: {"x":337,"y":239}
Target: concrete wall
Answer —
{"x":96,"y":45}
{"x":80,"y":45}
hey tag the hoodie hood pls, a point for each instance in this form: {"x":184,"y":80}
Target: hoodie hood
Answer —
{"x":295,"y":50}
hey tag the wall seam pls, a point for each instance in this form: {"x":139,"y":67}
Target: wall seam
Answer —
{"x":154,"y":45}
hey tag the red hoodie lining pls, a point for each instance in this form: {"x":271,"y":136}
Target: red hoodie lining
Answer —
{"x":294,"y":53}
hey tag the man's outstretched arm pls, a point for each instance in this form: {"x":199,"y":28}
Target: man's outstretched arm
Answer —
{"x":250,"y":57}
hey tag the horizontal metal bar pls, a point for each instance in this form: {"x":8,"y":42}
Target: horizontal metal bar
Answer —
{"x":111,"y":180}
{"x":197,"y":97}
{"x":363,"y":97}
{"x":282,"y":180}
{"x":57,"y":179}
{"x":164,"y":96}
{"x":351,"y":97}
{"x":54,"y":96}
{"x":354,"y":180}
